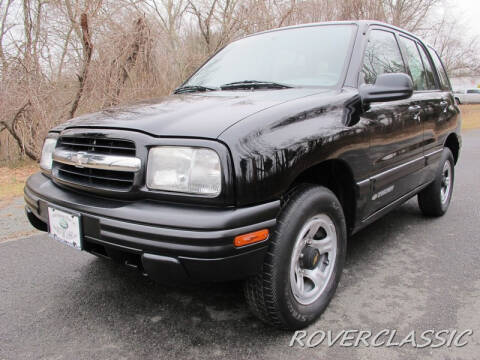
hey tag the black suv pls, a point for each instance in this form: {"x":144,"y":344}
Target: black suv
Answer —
{"x":260,"y":165}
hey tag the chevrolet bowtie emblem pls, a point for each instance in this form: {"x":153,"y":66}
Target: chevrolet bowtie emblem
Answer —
{"x":81,"y":158}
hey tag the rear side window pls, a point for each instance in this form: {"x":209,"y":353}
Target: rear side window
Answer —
{"x":442,"y":74}
{"x":473,"y":91}
{"x":428,"y":68}
{"x":382,"y":55}
{"x":415,"y":64}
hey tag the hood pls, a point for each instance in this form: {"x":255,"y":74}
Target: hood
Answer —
{"x":204,"y":115}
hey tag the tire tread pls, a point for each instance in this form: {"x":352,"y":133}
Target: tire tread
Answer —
{"x":428,"y":199}
{"x":260,"y":294}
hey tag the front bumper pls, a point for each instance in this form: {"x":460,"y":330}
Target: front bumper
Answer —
{"x":169,"y":242}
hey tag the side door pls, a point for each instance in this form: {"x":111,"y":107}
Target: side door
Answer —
{"x":427,"y":96}
{"x":396,"y":135}
{"x":446,"y":115}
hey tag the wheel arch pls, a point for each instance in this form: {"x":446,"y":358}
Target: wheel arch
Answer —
{"x":453,"y":144}
{"x":337,"y":176}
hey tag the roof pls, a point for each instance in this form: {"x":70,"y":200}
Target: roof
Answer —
{"x":362,"y":24}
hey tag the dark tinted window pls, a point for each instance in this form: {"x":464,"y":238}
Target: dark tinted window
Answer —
{"x":382,"y":55}
{"x":442,"y":74}
{"x":428,"y":69}
{"x":415,"y":64}
{"x":473,"y":91}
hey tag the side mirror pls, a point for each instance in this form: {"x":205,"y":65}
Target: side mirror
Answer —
{"x":387,"y":87}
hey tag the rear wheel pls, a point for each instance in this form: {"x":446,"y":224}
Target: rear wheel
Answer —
{"x":305,"y":260}
{"x":434,"y":200}
{"x":457,"y":100}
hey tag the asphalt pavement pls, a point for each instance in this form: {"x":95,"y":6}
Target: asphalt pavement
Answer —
{"x":405,"y":273}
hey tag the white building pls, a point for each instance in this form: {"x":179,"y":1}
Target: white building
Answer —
{"x":465,"y":82}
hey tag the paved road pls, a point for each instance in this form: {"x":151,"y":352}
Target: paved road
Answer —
{"x":405,"y":272}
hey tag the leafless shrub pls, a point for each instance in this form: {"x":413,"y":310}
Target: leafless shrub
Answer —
{"x":62,"y":58}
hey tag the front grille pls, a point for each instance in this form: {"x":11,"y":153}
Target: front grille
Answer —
{"x":97,"y":145}
{"x":91,"y":177}
{"x":104,"y":179}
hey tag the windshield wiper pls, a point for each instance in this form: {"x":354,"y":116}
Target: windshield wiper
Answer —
{"x":192,"y":88}
{"x":253,"y":84}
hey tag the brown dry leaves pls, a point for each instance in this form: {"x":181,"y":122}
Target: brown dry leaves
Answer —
{"x":12,"y":181}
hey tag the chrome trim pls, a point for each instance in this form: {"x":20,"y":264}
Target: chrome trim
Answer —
{"x":363,"y":182}
{"x":396,"y":168}
{"x":434,"y":152}
{"x":84,"y":159}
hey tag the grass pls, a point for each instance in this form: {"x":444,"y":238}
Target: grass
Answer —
{"x":470,"y":116}
{"x":13,"y":177}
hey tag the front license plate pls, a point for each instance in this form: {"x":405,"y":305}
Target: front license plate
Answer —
{"x":65,"y":227}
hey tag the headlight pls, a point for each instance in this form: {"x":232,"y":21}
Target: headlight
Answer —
{"x":47,"y":153}
{"x":184,"y":169}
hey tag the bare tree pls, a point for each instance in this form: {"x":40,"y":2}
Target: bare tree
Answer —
{"x":51,"y":71}
{"x":205,"y":18}
{"x":409,"y":14}
{"x":4,"y":28}
{"x":168,"y":13}
{"x":11,"y":127}
{"x":87,"y":57}
{"x":126,"y":59}
{"x":460,"y":53}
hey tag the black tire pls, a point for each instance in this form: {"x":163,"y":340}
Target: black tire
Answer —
{"x":269,"y":293}
{"x":430,"y":198}
{"x":457,"y":100}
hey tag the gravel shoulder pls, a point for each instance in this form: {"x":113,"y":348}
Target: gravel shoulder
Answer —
{"x":13,"y":222}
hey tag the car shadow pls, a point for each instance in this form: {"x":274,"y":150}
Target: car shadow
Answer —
{"x":380,"y":234}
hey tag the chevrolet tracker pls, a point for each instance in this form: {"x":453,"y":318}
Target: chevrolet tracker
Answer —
{"x":260,"y":165}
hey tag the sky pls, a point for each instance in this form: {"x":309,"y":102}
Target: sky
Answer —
{"x":470,"y":9}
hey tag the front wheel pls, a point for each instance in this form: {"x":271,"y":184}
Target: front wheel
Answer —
{"x":434,"y":200}
{"x":304,"y":263}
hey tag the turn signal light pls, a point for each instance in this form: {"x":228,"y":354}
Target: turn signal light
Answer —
{"x":250,"y":238}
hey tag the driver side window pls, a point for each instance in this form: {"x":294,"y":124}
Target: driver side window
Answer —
{"x":382,"y":55}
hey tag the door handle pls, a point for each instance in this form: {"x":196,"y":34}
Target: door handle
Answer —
{"x":414,"y":108}
{"x":444,"y":105}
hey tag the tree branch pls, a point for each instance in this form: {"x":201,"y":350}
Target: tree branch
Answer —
{"x":87,"y":50}
{"x":11,"y":129}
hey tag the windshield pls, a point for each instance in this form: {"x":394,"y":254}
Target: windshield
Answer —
{"x":307,"y":56}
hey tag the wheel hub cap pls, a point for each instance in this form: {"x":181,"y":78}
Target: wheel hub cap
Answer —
{"x":446,"y":182}
{"x":309,"y":258}
{"x":313,"y":259}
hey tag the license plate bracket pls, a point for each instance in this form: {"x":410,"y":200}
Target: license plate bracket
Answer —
{"x":65,"y":227}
